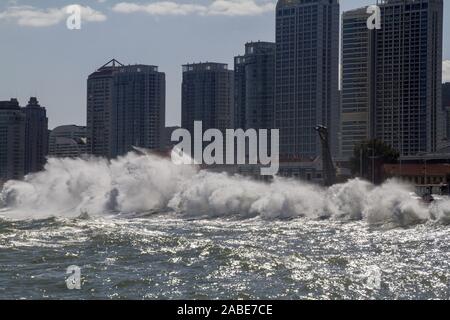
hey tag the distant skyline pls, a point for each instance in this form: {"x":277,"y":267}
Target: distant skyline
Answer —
{"x":41,"y":57}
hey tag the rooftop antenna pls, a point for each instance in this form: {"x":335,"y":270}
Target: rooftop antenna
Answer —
{"x":112,"y":63}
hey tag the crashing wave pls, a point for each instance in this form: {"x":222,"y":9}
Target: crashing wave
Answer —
{"x":140,"y":183}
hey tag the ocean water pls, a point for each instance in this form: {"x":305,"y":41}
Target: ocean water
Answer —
{"x":142,"y":228}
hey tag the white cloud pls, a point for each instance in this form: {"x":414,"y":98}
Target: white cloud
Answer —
{"x":217,"y":7}
{"x":159,"y":8}
{"x":446,"y":71}
{"x":33,"y":17}
{"x":240,"y":7}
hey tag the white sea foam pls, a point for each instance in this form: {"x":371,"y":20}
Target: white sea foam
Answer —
{"x":138,"y":183}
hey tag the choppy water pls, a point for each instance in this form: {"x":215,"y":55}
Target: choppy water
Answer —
{"x":165,"y":256}
{"x":215,"y":236}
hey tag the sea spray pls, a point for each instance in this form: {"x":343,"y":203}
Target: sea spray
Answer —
{"x":216,"y":194}
{"x":68,"y":187}
{"x":347,"y":201}
{"x":392,"y":202}
{"x":441,"y":211}
{"x":142,"y":182}
{"x":219,"y":194}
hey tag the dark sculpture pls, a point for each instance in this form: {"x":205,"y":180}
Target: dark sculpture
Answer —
{"x":329,"y":172}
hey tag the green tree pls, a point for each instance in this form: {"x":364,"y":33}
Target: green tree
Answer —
{"x":369,"y":157}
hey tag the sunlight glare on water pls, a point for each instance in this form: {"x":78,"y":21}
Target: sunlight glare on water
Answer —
{"x":140,"y":227}
{"x":171,"y":257}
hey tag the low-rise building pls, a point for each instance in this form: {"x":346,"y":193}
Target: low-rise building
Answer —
{"x":68,"y":141}
{"x":428,"y":170}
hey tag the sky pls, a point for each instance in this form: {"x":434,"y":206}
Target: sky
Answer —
{"x":41,"y":57}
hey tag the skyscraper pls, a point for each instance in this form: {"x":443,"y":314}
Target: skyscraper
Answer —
{"x":36,"y":136}
{"x":126,"y":108}
{"x":167,"y":138}
{"x":446,"y":94}
{"x":254,"y":77}
{"x":391,"y":79}
{"x":408,"y":75}
{"x":357,"y":96}
{"x":446,"y":108}
{"x":99,"y":109}
{"x":12,"y":141}
{"x":138,"y":117}
{"x":207,"y":96}
{"x":306,"y":74}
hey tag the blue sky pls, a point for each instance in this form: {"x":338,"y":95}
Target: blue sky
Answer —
{"x":41,"y":57}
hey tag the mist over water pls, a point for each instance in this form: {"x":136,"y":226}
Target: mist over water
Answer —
{"x":143,"y":183}
{"x":140,"y":227}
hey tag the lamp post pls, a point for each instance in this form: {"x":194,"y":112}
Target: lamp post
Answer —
{"x":373,"y":157}
{"x":373,"y":164}
{"x":400,"y":136}
{"x":361,"y":162}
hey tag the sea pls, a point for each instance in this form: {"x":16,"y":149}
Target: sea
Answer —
{"x":140,"y":227}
